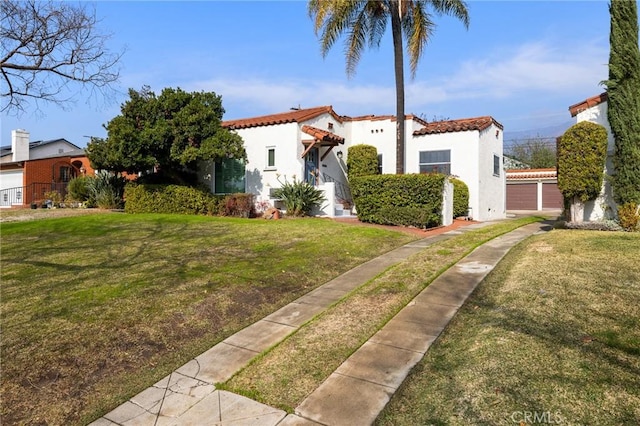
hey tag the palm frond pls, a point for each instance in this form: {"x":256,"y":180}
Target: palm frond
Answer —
{"x":418,"y":29}
{"x":456,"y":8}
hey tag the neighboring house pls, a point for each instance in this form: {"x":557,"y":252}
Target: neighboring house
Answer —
{"x":511,"y":163}
{"x":312,"y":145}
{"x":533,"y":189}
{"x":594,"y":109}
{"x":28,"y":170}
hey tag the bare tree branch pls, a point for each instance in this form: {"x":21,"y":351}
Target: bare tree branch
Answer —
{"x":47,"y":46}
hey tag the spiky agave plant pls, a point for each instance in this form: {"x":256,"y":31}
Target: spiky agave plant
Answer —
{"x":299,"y":197}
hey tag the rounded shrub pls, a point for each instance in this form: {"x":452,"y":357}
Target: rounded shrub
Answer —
{"x":78,"y":189}
{"x":629,"y":216}
{"x":362,"y":160}
{"x":239,"y":205}
{"x":460,"y":198}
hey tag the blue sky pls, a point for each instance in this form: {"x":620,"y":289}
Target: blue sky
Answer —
{"x":522,"y":62}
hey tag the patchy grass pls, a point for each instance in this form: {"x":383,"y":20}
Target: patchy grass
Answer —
{"x":553,"y":333}
{"x":97,"y":307}
{"x":284,"y":376}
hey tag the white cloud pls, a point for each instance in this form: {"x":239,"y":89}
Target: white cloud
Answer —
{"x":272,"y":96}
{"x":533,"y":70}
{"x":534,"y":67}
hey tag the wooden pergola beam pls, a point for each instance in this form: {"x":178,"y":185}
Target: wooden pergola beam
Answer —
{"x":326,"y":152}
{"x":306,"y":151}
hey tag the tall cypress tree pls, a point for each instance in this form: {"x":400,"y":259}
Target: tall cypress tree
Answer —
{"x":623,"y":89}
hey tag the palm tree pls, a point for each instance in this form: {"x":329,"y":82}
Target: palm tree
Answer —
{"x":365,"y":21}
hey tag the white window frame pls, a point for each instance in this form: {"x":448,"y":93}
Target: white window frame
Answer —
{"x":436,"y":164}
{"x":496,"y":166}
{"x":266,"y":161}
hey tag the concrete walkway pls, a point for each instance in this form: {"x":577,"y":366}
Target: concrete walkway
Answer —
{"x":359,"y":389}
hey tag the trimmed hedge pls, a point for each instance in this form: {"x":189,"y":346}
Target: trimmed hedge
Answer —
{"x":171,"y":199}
{"x":407,"y":200}
{"x":460,"y":198}
{"x":362,"y":160}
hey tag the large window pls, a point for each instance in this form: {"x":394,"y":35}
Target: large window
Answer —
{"x":435,"y":161}
{"x":229,"y":176}
{"x":496,"y":165}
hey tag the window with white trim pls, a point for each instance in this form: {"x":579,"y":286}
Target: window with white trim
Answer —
{"x":496,"y":165}
{"x":271,"y":158}
{"x":435,"y":161}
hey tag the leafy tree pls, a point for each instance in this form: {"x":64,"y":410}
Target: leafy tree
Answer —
{"x":170,"y":133}
{"x":362,"y":160}
{"x":537,"y":153}
{"x":365,"y":22}
{"x":46,"y":45}
{"x":623,"y":90}
{"x":582,"y":151}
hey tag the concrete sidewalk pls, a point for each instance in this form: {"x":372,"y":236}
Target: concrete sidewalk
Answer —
{"x":359,"y":389}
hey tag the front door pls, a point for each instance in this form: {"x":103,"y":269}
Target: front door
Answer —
{"x":311,"y":165}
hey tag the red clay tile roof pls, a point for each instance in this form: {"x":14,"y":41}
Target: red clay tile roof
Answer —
{"x":461,"y":125}
{"x":301,"y":115}
{"x":587,"y":103}
{"x":531,"y":173}
{"x":293,"y":116}
{"x":372,"y":117}
{"x":322,"y":135}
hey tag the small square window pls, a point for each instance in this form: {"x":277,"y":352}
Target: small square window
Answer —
{"x":271,"y":157}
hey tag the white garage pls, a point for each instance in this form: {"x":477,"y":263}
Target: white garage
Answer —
{"x":11,"y":187}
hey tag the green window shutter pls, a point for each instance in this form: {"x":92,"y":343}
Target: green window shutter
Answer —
{"x":229,"y":176}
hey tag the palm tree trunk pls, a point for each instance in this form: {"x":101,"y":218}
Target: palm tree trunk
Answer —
{"x":398,"y":59}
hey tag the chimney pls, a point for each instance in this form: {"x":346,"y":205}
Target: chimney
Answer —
{"x":19,"y":145}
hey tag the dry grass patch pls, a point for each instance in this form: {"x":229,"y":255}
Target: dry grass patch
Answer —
{"x":98,"y":307}
{"x":554,"y":331}
{"x":284,"y":376}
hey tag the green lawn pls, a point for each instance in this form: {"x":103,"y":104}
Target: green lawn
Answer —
{"x":98,"y":307}
{"x":551,"y":336}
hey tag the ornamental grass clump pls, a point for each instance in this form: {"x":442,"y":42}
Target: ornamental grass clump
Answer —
{"x":299,"y":197}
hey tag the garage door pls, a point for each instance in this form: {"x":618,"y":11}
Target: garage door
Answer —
{"x":522,"y":196}
{"x":551,"y":196}
{"x":10,"y":179}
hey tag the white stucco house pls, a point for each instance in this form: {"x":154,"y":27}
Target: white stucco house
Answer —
{"x":594,"y":109}
{"x":312,"y":144}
